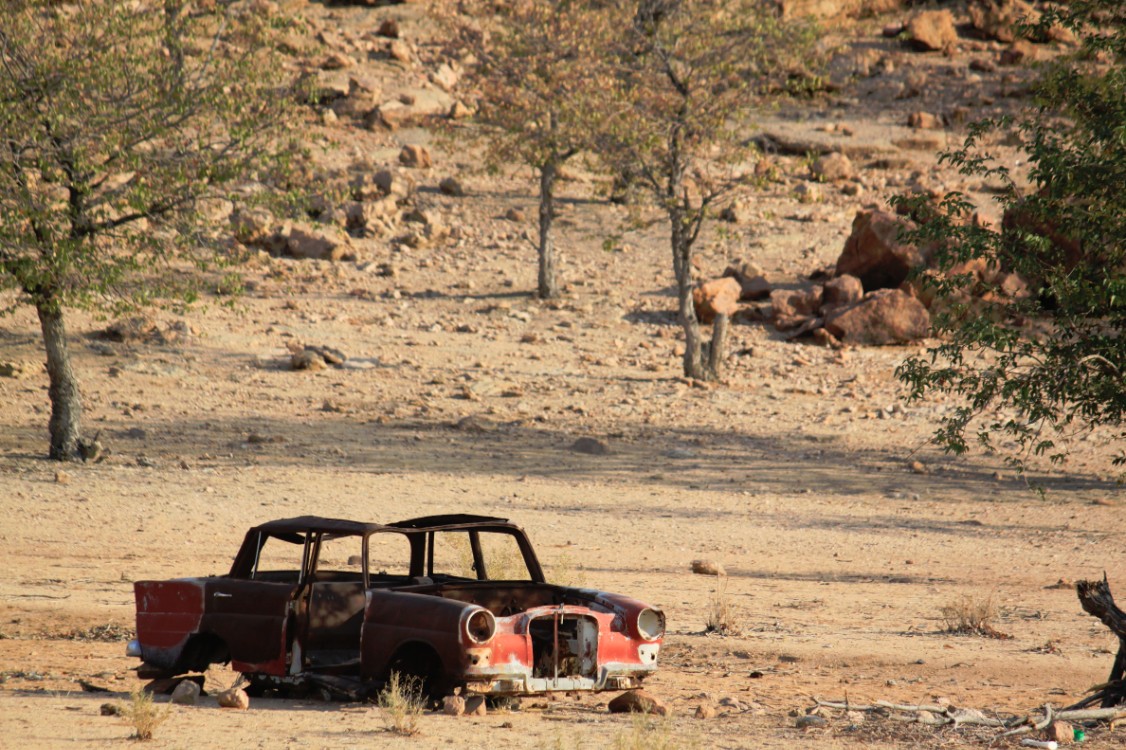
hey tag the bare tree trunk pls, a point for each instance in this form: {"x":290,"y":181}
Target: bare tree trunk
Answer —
{"x":717,"y":349}
{"x":682,"y":266}
{"x":1096,"y":600}
{"x":548,"y":283}
{"x":66,"y":405}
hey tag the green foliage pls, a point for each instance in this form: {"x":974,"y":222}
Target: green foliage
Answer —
{"x":116,"y":118}
{"x":1034,"y":366}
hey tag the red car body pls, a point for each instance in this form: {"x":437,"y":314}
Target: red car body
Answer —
{"x":439,"y":615}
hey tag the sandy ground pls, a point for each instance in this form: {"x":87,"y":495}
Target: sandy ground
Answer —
{"x":795,"y":473}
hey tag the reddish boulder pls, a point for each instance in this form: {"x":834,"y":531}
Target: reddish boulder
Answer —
{"x":886,"y":316}
{"x":638,"y":702}
{"x":789,"y":303}
{"x":874,"y":254}
{"x":841,"y":291}
{"x":715,"y":297}
{"x":932,"y":30}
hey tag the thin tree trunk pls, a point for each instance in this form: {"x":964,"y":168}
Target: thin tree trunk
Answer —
{"x":66,"y":405}
{"x":548,"y":283}
{"x":717,"y":349}
{"x":682,"y":266}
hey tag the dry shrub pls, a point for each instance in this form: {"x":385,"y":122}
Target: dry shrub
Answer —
{"x":143,"y":714}
{"x":565,"y":572}
{"x":969,"y":616}
{"x":402,"y":704}
{"x":721,"y":615}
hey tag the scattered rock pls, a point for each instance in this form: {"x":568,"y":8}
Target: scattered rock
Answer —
{"x":1060,"y":732}
{"x":453,"y":705}
{"x":997,"y":19}
{"x":924,"y":121}
{"x":590,"y":446}
{"x":810,"y":721}
{"x":833,"y":168}
{"x":475,"y":706}
{"x":389,"y":28}
{"x":186,"y":693}
{"x":708,"y":568}
{"x":845,"y":289}
{"x":932,"y":30}
{"x":716,"y":297}
{"x":874,"y":254}
{"x":308,"y":359}
{"x":234,"y":698}
{"x":415,"y":156}
{"x":705,"y":711}
{"x":637,"y":701}
{"x":451,"y":186}
{"x":886,"y":316}
{"x":17,"y":370}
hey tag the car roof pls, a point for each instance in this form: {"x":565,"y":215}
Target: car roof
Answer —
{"x":302,"y":524}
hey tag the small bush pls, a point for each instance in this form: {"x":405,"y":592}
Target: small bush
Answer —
{"x":969,"y":616}
{"x":143,"y":715}
{"x":402,"y":704}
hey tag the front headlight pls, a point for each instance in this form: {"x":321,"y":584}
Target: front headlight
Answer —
{"x":481,"y":626}
{"x":650,"y":624}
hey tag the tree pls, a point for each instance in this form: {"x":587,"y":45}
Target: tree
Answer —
{"x":1041,"y":352}
{"x":535,"y":62}
{"x":116,"y":118}
{"x":686,"y":75}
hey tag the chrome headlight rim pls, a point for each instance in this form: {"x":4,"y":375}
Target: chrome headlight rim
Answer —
{"x":490,"y":623}
{"x":650,"y":624}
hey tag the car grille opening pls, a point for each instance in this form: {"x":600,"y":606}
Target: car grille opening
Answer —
{"x":577,"y":651}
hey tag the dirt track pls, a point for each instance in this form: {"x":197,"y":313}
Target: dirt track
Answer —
{"x":795,"y":474}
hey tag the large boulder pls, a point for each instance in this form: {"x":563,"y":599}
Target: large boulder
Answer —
{"x":886,"y":316}
{"x":932,"y":30}
{"x":874,"y":254}
{"x":715,"y":297}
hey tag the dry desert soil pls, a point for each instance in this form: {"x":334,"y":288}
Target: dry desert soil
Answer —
{"x":805,"y":474}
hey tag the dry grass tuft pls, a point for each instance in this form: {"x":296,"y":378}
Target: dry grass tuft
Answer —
{"x":721,"y":616}
{"x":969,"y":616}
{"x":402,"y":704}
{"x":646,"y":733}
{"x":143,"y":715}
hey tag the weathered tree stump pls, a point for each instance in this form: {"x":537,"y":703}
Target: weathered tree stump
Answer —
{"x":1097,"y":601}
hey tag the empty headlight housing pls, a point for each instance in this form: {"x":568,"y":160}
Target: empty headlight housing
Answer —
{"x":650,"y":624}
{"x":481,"y":626}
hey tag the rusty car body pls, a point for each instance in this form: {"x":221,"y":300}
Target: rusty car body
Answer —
{"x":457,"y":601}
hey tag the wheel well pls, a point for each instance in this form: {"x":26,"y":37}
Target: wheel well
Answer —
{"x":201,"y":651}
{"x":420,"y":661}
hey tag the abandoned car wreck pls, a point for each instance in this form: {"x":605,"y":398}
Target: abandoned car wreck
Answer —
{"x":456,"y":601}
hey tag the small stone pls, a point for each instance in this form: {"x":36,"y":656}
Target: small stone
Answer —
{"x":186,"y":693}
{"x":590,"y":446}
{"x":918,"y":467}
{"x":110,"y":709}
{"x":475,"y":706}
{"x":708,"y":568}
{"x":415,"y":156}
{"x":307,"y":359}
{"x":705,"y":711}
{"x":637,"y":701}
{"x":808,"y":193}
{"x":453,"y":705}
{"x":1060,"y":732}
{"x":459,"y":111}
{"x":514,"y":214}
{"x":451,"y":186}
{"x":809,"y":720}
{"x":61,"y":477}
{"x":833,"y":167}
{"x":389,"y":28}
{"x":398,"y":50}
{"x":234,"y":698}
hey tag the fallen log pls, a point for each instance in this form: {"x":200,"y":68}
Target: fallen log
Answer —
{"x":1097,"y":601}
